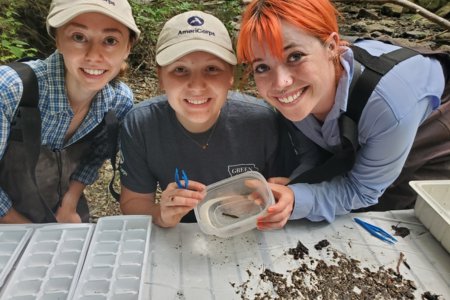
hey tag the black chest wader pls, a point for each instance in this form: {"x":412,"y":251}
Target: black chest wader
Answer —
{"x":429,"y":158}
{"x":35,"y":177}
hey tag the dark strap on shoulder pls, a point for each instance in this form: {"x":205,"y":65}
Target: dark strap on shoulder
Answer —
{"x":338,"y":164}
{"x":112,"y":125}
{"x":361,"y":88}
{"x":375,"y":68}
{"x":30,"y":117}
{"x":30,"y":94}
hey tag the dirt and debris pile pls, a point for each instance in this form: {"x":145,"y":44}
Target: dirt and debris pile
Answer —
{"x":401,"y":231}
{"x":342,"y":278}
{"x":430,"y":296}
{"x":299,"y":251}
{"x":322,"y":244}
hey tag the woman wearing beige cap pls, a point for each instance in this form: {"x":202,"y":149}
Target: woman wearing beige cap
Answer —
{"x":198,"y":126}
{"x":45,"y":171}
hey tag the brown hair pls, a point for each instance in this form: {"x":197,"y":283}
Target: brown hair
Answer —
{"x":124,"y":67}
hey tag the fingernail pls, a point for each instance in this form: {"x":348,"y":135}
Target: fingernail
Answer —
{"x":270,"y":210}
{"x":249,"y":183}
{"x":250,"y":197}
{"x":259,"y":219}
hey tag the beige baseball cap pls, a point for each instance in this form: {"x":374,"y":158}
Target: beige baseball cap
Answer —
{"x":193,"y":31}
{"x":62,"y":11}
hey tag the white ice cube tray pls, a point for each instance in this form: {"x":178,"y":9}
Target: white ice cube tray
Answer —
{"x":12,"y":241}
{"x":115,"y":264}
{"x":51,"y":264}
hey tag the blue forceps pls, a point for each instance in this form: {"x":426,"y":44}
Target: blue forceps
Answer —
{"x":374,"y":229}
{"x":184,"y":177}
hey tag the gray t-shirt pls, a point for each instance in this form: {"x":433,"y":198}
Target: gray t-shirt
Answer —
{"x":153,"y":145}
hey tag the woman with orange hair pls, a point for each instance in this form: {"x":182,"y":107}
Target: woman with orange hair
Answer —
{"x":305,"y":71}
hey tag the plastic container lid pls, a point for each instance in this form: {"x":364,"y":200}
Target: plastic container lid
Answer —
{"x":227,"y":210}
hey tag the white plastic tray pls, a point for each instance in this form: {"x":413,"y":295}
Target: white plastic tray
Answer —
{"x":50,"y":266}
{"x":12,"y":241}
{"x":433,"y":208}
{"x":115,"y":264}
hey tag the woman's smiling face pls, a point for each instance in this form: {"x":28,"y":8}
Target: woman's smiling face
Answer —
{"x":94,"y":47}
{"x":197,"y":86}
{"x":304,"y":81}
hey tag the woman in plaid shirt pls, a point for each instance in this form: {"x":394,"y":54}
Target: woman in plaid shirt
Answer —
{"x":77,"y":86}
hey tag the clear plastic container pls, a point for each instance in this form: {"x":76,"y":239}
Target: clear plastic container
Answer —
{"x":232,"y":206}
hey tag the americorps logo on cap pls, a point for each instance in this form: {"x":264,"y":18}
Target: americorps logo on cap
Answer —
{"x":195,"y":21}
{"x":109,"y":2}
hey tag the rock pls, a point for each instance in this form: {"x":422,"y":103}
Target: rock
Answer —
{"x":345,"y":29}
{"x":376,"y":34}
{"x":368,"y":14}
{"x":444,"y":47}
{"x":392,"y":10}
{"x":444,"y":11}
{"x":443,"y":37}
{"x":424,"y":23}
{"x":431,"y":5}
{"x":416,"y":17}
{"x":349,"y":9}
{"x":359,"y":26}
{"x":388,"y":23}
{"x":379,"y":28}
{"x":416,"y":34}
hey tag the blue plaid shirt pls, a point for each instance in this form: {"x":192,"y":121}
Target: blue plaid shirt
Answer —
{"x":57,"y":114}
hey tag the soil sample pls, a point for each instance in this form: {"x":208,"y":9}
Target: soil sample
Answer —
{"x":343,"y":279}
{"x":299,"y":251}
{"x":401,"y":231}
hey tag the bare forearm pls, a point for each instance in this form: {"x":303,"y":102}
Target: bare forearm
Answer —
{"x":73,"y":194}
{"x":143,"y":207}
{"x":13,"y":217}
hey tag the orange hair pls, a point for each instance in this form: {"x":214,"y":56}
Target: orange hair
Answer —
{"x":262,"y":18}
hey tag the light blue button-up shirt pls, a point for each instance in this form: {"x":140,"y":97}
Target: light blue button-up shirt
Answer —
{"x":401,"y":101}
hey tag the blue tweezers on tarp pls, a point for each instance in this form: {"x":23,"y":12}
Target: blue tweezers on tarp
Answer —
{"x":184,"y":177}
{"x":374,"y":230}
